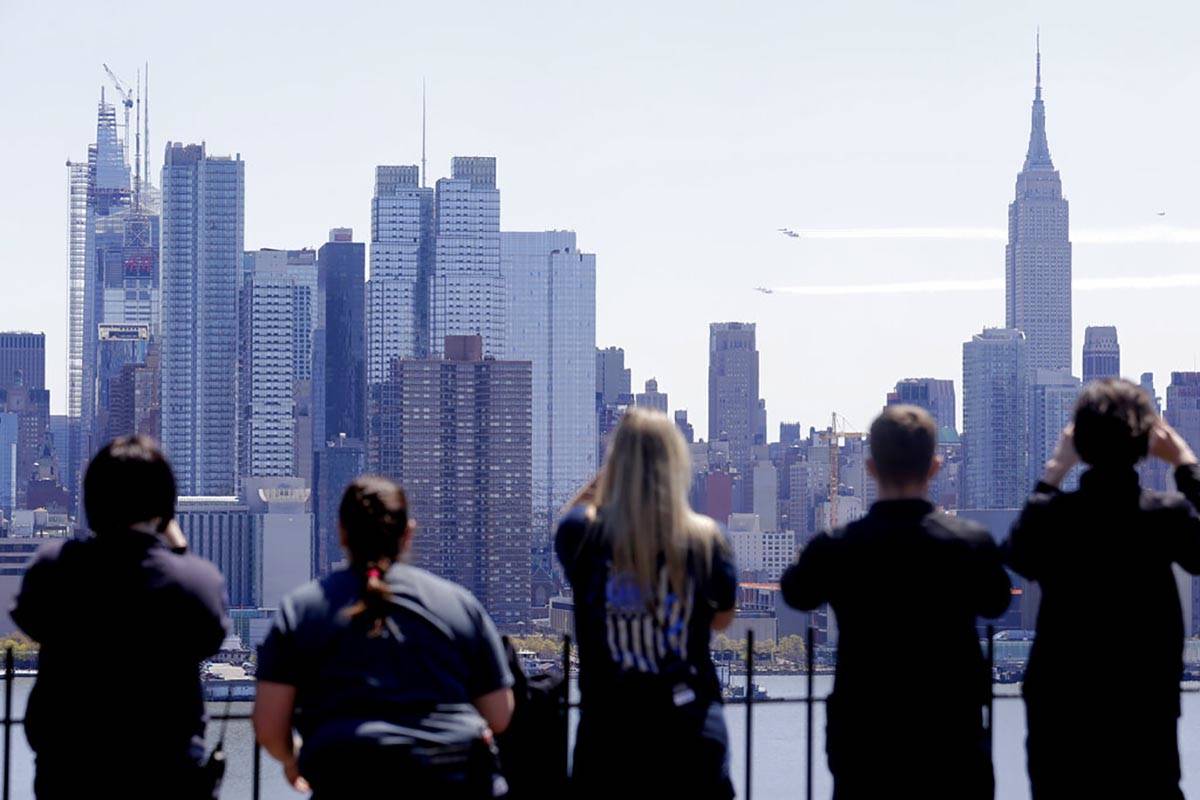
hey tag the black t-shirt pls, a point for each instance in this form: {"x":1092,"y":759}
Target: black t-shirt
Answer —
{"x":418,"y":674}
{"x":907,"y":584}
{"x":621,"y":632}
{"x":79,"y":600}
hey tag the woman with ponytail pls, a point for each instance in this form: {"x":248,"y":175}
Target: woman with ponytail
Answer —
{"x":382,"y":669}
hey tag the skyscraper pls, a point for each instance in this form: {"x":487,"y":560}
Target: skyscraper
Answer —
{"x":995,"y":428}
{"x":203,"y":201}
{"x":550,"y":321}
{"x":652,"y":398}
{"x":1183,"y":406}
{"x":467,"y":294}
{"x":1052,"y":397}
{"x":23,"y":353}
{"x":1038,"y":255}
{"x":734,"y":409}
{"x":9,"y":433}
{"x":338,"y":461}
{"x":932,"y":394}
{"x":1101,"y":353}
{"x":1152,"y":471}
{"x":340,"y":275}
{"x":278,"y":304}
{"x":613,"y":379}
{"x":397,"y":307}
{"x":457,"y":433}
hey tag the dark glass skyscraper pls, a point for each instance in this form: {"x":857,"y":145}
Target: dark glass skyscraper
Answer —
{"x":341,"y":273}
{"x":1101,"y":353}
{"x":23,"y":353}
{"x":1038,"y":255}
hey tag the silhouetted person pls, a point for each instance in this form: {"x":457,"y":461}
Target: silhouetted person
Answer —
{"x":652,"y":580}
{"x":395,"y":679}
{"x":1102,"y":685}
{"x":105,"y":717}
{"x":907,"y":584}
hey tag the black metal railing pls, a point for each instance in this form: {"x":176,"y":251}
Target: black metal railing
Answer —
{"x":809,"y":699}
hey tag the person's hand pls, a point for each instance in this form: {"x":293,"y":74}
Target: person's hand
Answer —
{"x":291,"y":771}
{"x":174,"y":536}
{"x":1167,"y":444}
{"x":1063,"y":459}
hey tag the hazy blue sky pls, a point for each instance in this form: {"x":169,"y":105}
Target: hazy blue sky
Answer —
{"x":675,"y":138}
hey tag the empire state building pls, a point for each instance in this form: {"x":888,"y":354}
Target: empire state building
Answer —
{"x":1038,"y":255}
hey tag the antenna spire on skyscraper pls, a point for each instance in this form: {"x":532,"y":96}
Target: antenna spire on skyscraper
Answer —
{"x":424,"y":181}
{"x":1038,"y":84}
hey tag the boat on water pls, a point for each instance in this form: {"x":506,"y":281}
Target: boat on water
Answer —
{"x":737,"y":693}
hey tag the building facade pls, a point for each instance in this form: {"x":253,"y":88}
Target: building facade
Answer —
{"x":1038,"y":255}
{"x":1101,"y":353}
{"x":23,"y":355}
{"x":550,"y":321}
{"x":343,"y":380}
{"x":467,"y":294}
{"x":457,"y":433}
{"x":995,"y":428}
{"x":278,"y":315}
{"x":735,"y":411}
{"x":338,"y":462}
{"x":397,"y":304}
{"x":932,"y":394}
{"x":652,"y":398}
{"x":1052,"y":398}
{"x":203,"y":200}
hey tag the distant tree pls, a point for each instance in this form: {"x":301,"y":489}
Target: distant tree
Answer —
{"x":792,"y":649}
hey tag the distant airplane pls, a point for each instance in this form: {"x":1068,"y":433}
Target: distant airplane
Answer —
{"x":1162,"y":213}
{"x":789,"y":232}
{"x":764,"y":290}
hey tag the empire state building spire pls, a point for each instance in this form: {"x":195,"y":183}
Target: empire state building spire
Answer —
{"x":1038,"y":156}
{"x":1037,"y":259}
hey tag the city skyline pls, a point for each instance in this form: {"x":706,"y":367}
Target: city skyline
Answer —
{"x":967,"y":149}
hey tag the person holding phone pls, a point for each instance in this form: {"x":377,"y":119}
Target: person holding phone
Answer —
{"x":1104,"y":557}
{"x":83,"y":600}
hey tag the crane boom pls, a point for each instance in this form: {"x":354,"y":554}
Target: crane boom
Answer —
{"x":126,"y":96}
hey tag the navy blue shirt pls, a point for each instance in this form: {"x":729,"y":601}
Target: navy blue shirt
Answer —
{"x":438,"y":652}
{"x":80,"y":600}
{"x":619,"y":631}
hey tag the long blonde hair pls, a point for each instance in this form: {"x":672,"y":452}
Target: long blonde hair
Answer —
{"x":642,"y":501}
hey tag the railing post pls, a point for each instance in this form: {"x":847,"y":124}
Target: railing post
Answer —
{"x":991,"y":679}
{"x":8,"y":689}
{"x":808,"y":714}
{"x":565,"y":709}
{"x":256,"y":788}
{"x":749,"y":709}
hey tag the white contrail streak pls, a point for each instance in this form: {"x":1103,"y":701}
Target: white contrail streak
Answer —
{"x":1123,"y":282}
{"x":1145,"y":234}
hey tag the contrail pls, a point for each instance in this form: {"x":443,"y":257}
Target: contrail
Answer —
{"x":1124,"y":282}
{"x":1144,"y":234}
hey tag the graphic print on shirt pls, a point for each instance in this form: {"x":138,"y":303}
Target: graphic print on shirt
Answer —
{"x":646,"y":636}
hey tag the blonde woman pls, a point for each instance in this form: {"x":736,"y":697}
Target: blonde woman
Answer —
{"x":652,"y":580}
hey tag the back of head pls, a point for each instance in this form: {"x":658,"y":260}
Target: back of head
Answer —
{"x":128,"y":482}
{"x":903,"y":443}
{"x":643,"y":500}
{"x":374,"y":519}
{"x":1113,"y":420}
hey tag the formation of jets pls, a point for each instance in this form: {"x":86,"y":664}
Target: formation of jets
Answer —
{"x":764,"y":290}
{"x":789,"y":232}
{"x":1162,"y":213}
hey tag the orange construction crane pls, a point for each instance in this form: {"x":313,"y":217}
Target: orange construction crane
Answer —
{"x":833,"y":436}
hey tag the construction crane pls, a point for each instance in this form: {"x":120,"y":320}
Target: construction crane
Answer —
{"x":833,"y":437}
{"x":127,"y":101}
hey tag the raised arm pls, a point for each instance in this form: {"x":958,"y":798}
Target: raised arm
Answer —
{"x":1168,"y":445}
{"x":807,"y":583}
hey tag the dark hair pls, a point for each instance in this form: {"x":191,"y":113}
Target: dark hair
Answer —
{"x":1113,"y":420}
{"x":374,"y":516}
{"x":903,"y":440}
{"x":129,"y":481}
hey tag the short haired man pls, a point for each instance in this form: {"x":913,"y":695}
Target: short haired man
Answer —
{"x":1104,"y":557}
{"x":124,"y":619}
{"x":907,"y":584}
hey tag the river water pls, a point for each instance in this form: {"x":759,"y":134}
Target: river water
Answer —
{"x":779,"y":747}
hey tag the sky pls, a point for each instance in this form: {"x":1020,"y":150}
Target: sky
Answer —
{"x":675,"y":138}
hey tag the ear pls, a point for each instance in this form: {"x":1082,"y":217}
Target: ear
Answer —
{"x":872,"y":470}
{"x":934,"y":468}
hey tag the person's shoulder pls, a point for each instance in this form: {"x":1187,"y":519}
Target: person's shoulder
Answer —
{"x":955,"y":529}
{"x":433,"y":590}
{"x":575,"y":523}
{"x":189,"y":568}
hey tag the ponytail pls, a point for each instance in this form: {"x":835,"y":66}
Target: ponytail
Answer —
{"x":374,"y":517}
